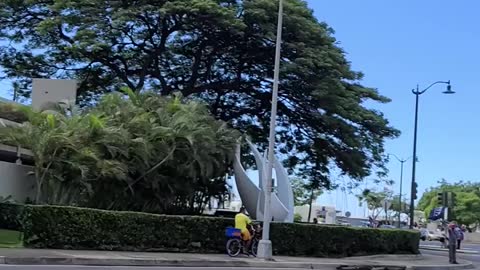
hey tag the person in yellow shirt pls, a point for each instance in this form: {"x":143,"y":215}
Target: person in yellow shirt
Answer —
{"x":242,"y":222}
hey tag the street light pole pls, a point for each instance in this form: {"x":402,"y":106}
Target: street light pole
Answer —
{"x":417,"y":94}
{"x":402,"y":162}
{"x":265,"y":245}
{"x":400,"y":195}
{"x":414,"y":162}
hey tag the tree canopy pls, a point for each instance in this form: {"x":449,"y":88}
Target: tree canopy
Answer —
{"x":221,"y":51}
{"x":467,"y":207}
{"x":142,"y":153}
{"x":303,"y":193}
{"x":377,"y":200}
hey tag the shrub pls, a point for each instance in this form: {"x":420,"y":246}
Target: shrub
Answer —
{"x":10,"y":216}
{"x":12,"y":112}
{"x":297,"y":218}
{"x":81,"y":228}
{"x":339,"y":241}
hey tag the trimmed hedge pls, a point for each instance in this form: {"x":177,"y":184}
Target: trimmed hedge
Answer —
{"x":11,"y":216}
{"x":335,"y":241}
{"x":80,"y":228}
{"x":12,"y":112}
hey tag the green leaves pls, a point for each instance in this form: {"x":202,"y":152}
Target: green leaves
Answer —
{"x":83,"y":229}
{"x":219,"y":51}
{"x":303,"y":193}
{"x":467,"y":207}
{"x":143,"y":152}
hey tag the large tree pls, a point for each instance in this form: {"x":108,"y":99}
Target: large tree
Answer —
{"x":218,"y":50}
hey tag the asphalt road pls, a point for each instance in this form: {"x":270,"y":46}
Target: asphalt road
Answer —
{"x":49,"y":267}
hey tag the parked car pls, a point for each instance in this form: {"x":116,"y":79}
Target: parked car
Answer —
{"x":432,"y":236}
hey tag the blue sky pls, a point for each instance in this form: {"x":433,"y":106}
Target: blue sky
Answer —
{"x":399,"y":44}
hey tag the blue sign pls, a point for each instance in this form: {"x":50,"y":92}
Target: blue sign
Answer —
{"x":437,"y":213}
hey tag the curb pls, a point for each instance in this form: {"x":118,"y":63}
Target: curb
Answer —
{"x":444,"y":267}
{"x":462,"y":251}
{"x":253,"y":263}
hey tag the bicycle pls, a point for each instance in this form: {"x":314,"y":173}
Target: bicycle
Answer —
{"x":235,"y":244}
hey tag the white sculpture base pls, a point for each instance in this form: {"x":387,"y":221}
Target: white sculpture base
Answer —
{"x":265,"y":250}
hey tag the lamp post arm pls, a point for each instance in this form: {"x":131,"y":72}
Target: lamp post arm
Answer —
{"x":399,"y":159}
{"x":418,"y":92}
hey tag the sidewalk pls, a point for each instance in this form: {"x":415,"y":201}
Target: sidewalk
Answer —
{"x":114,"y":258}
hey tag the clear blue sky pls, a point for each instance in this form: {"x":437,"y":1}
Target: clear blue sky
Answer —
{"x":398,"y":44}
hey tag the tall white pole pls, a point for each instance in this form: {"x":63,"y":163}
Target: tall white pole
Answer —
{"x":265,"y":245}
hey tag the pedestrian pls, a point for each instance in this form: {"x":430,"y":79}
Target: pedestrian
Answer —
{"x":452,"y":243}
{"x":460,"y":236}
{"x":315,"y":221}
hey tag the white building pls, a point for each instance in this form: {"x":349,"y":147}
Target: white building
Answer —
{"x":16,"y":163}
{"x":324,"y":214}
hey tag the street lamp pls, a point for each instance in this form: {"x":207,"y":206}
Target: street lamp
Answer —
{"x":402,"y":161}
{"x":417,"y":94}
{"x":265,"y":245}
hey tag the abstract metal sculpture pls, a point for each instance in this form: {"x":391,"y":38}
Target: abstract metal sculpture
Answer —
{"x":253,"y":196}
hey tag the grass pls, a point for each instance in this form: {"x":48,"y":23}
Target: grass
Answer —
{"x":11,"y":239}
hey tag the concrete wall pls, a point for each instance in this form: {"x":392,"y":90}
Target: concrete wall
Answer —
{"x":45,"y":91}
{"x":15,"y":181}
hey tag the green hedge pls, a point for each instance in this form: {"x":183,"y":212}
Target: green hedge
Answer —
{"x":12,"y":112}
{"x":11,"y":216}
{"x":79,"y":228}
{"x":335,"y":241}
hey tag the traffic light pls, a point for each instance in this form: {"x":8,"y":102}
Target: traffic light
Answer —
{"x":414,"y":190}
{"x":451,"y":198}
{"x":440,"y":198}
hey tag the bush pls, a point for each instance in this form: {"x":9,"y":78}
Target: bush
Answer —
{"x":80,"y":228}
{"x":12,"y":112}
{"x":11,"y":216}
{"x":339,"y":241}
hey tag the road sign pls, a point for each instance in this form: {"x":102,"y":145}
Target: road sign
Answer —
{"x":437,"y":213}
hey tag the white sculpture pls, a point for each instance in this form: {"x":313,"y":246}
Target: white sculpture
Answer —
{"x":253,"y":196}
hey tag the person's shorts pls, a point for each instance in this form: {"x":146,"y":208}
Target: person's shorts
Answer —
{"x":246,"y":236}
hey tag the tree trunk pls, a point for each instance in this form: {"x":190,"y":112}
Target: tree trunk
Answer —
{"x":38,"y":191}
{"x":310,"y":208}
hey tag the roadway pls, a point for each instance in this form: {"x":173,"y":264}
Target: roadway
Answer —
{"x":63,"y":267}
{"x":475,"y":258}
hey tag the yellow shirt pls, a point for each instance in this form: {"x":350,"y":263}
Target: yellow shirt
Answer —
{"x":241,"y":222}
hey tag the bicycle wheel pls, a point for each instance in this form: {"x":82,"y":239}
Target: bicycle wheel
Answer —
{"x":254,"y":247}
{"x":234,"y":247}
